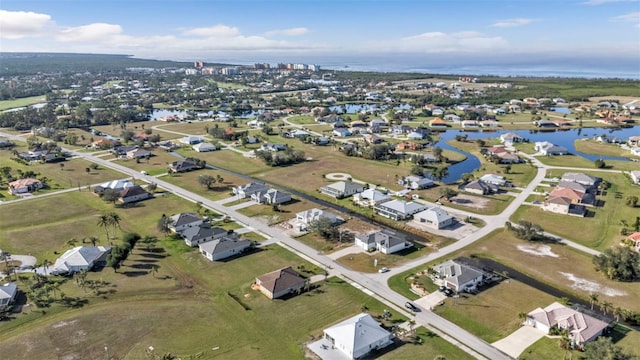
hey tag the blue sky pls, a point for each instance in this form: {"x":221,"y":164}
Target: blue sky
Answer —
{"x":451,"y":31}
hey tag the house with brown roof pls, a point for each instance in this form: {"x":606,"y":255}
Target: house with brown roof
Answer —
{"x":563,"y":205}
{"x":634,"y":241}
{"x":408,"y":145}
{"x":582,"y":328}
{"x":23,"y":186}
{"x":280,"y":283}
{"x":438,"y":123}
{"x":133,"y":194}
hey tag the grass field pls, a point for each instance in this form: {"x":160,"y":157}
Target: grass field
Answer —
{"x":10,"y":104}
{"x":495,"y":204}
{"x":302,"y":120}
{"x":598,"y":148}
{"x":364,"y":262}
{"x":580,"y":162}
{"x":600,"y":229}
{"x":432,"y":347}
{"x":189,"y":180}
{"x":543,"y":349}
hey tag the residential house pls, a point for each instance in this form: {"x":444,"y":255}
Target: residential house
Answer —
{"x":584,"y":179}
{"x":299,"y":134}
{"x":458,"y":276}
{"x":547,"y":148}
{"x":23,"y":186}
{"x":370,"y":197}
{"x":204,"y":147}
{"x":509,"y":158}
{"x":400,"y":129}
{"x":247,"y":190}
{"x":183,"y":166}
{"x":563,"y":205}
{"x":480,"y":187}
{"x":122,"y":151}
{"x":358,"y":336}
{"x":133,"y":194}
{"x":582,"y":328}
{"x":494,"y":179}
{"x":168,"y":146}
{"x":382,"y":242}
{"x":635,"y":151}
{"x":510,"y":138}
{"x":273,"y":147}
{"x":308,"y":216}
{"x":634,"y":241}
{"x":182,"y":221}
{"x":438,"y":123}
{"x":489,"y":123}
{"x":80,"y":258}
{"x":271,"y":197}
{"x":470,"y":124}
{"x":196,"y":235}
{"x":191,"y":140}
{"x":342,"y":189}
{"x":416,"y":182}
{"x":452,"y":117}
{"x":104,"y":143}
{"x":8,"y":294}
{"x":281,"y":283}
{"x":223,"y":248}
{"x":398,"y":209}
{"x":117,"y":185}
{"x":330,"y":118}
{"x":408,"y":145}
{"x":138,"y":154}
{"x":341,"y":132}
{"x":373,"y":139}
{"x":546,"y":124}
{"x":633,"y":141}
{"x":435,"y":217}
{"x":415,"y":136}
{"x":496,"y":150}
{"x":635,"y":176}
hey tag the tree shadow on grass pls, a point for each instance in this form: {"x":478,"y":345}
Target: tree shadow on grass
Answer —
{"x":134,"y":273}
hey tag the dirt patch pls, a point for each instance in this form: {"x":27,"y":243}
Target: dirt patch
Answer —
{"x":591,"y":286}
{"x":538,"y":250}
{"x":470,"y":201}
{"x":622,"y":99}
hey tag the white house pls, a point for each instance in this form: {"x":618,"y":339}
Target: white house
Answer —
{"x":224,"y":247}
{"x":204,"y":147}
{"x":358,"y":336}
{"x":8,"y":293}
{"x":190,"y":140}
{"x":635,"y":176}
{"x":416,"y":182}
{"x":249,"y":189}
{"x":547,"y":148}
{"x":342,"y":189}
{"x":271,"y":197}
{"x":457,"y":276}
{"x":180,"y":222}
{"x":494,"y":179}
{"x":370,"y":197}
{"x":398,"y":209}
{"x":382,"y":242}
{"x":582,"y":327}
{"x":197,"y":235}
{"x":79,"y":258}
{"x":434,"y":217}
{"x":308,"y":216}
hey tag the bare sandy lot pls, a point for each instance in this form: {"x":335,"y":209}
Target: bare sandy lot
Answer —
{"x":470,"y":201}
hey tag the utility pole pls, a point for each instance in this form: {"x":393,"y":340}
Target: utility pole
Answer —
{"x":106,"y":352}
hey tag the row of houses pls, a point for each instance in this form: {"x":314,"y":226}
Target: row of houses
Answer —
{"x":573,"y":194}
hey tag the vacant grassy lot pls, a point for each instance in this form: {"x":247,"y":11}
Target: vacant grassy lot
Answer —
{"x":431,"y":348}
{"x":543,"y":349}
{"x":598,"y":148}
{"x":26,"y":101}
{"x":493,"y":313}
{"x":302,"y":119}
{"x":580,"y":162}
{"x":218,"y":191}
{"x":493,"y":204}
{"x":364,"y":262}
{"x":157,"y":164}
{"x":41,"y":226}
{"x":601,"y":228}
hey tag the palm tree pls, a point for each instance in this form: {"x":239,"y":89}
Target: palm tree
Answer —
{"x":93,"y":240}
{"x":104,"y":222}
{"x":412,"y":324}
{"x":565,"y":344}
{"x":618,"y":312}
{"x":154,"y":269}
{"x":606,"y":307}
{"x":45,"y":265}
{"x":114,"y":220}
{"x":593,"y":299}
{"x":523,"y":316}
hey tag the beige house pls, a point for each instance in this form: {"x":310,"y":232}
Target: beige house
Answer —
{"x":280,"y":283}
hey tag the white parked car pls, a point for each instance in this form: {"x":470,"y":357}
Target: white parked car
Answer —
{"x":383,"y":270}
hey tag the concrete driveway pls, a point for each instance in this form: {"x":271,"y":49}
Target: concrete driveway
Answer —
{"x":26,"y":263}
{"x":514,"y":344}
{"x":430,"y":301}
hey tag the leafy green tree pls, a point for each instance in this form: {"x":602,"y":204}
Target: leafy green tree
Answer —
{"x":604,"y":349}
{"x":529,"y":231}
{"x":599,"y":163}
{"x":448,"y":193}
{"x":206,"y":180}
{"x":466,"y":177}
{"x":164,"y":225}
{"x":618,"y":263}
{"x":632,"y":201}
{"x":417,"y":170}
{"x":325,"y":228}
{"x":110,"y":195}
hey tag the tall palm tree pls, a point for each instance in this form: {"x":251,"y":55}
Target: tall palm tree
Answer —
{"x":114,"y":220}
{"x":565,"y":344}
{"x":606,"y":307}
{"x":618,"y":312}
{"x":523,"y":316}
{"x":104,"y":222}
{"x":593,"y":299}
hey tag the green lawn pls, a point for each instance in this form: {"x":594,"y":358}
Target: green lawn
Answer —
{"x":598,"y":148}
{"x":580,"y":162}
{"x":432,"y":346}
{"x":364,"y":262}
{"x":302,"y":119}
{"x":543,"y":349}
{"x":20,"y":102}
{"x":600,"y":229}
{"x":218,"y":191}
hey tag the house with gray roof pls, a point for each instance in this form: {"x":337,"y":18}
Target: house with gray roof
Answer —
{"x":480,"y":187}
{"x":308,"y":216}
{"x":342,"y":189}
{"x":582,"y":328}
{"x":547,"y":148}
{"x":271,"y":197}
{"x":435,"y":217}
{"x":181,"y":221}
{"x":458,"y":276}
{"x":246,"y":190}
{"x":196,"y":235}
{"x":224,"y":247}
{"x":416,"y":182}
{"x":383,"y":242}
{"x":356,"y":337}
{"x":8,"y":293}
{"x":80,"y":258}
{"x":133,"y":194}
{"x":581,"y":178}
{"x":371,"y":197}
{"x":398,"y":209}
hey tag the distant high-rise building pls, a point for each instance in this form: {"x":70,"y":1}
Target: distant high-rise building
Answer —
{"x":198,"y":64}
{"x":262,"y":66}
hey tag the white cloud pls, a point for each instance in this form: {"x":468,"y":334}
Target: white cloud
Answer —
{"x":20,"y":24}
{"x":212,"y":31}
{"x":440,"y":42}
{"x":630,"y":17}
{"x":297,"y":31}
{"x":97,"y":32}
{"x":600,"y":2}
{"x":513,"y":22}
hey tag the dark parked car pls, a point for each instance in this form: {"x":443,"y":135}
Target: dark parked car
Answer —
{"x":411,"y":307}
